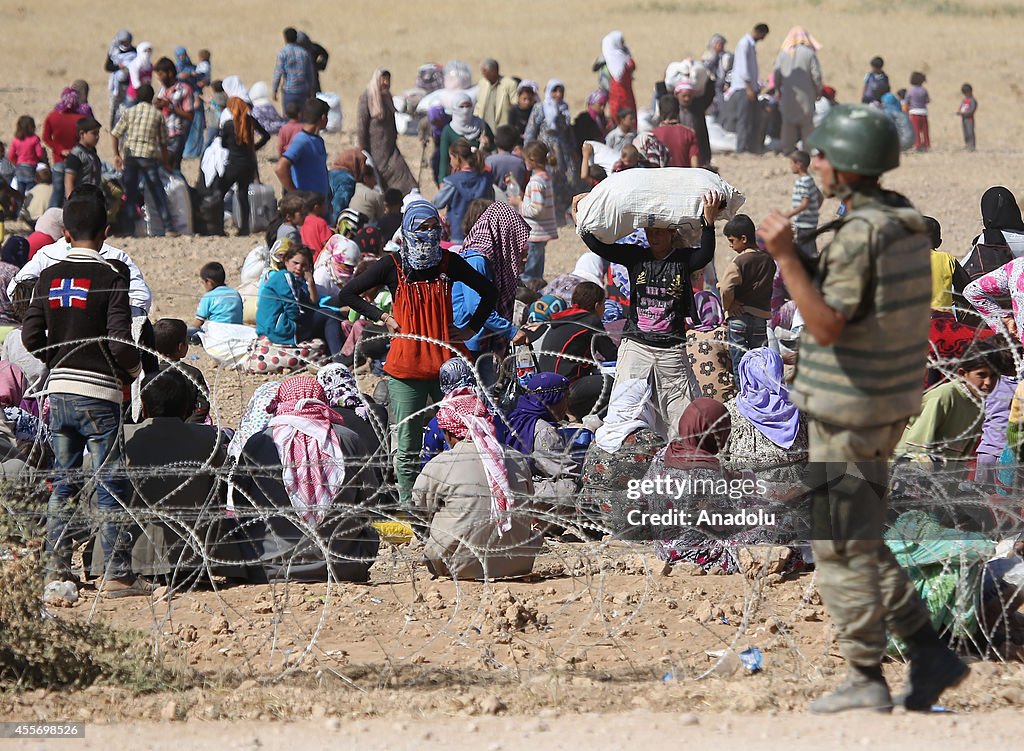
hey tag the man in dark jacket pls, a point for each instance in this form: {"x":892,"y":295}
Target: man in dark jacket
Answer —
{"x":79,"y":324}
{"x":574,"y":341}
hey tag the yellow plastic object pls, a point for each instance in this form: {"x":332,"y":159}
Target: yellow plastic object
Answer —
{"x":395,"y":532}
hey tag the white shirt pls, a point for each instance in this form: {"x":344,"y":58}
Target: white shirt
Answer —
{"x":744,"y":67}
{"x":139,"y":294}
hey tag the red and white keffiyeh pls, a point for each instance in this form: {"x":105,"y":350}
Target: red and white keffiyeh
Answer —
{"x":313,"y":464}
{"x":463,"y":414}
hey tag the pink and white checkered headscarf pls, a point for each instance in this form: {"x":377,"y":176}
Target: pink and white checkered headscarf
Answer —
{"x":313,"y":464}
{"x":464,"y":414}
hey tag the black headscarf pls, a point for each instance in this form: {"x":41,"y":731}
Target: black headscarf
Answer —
{"x":15,"y":251}
{"x":999,"y":211}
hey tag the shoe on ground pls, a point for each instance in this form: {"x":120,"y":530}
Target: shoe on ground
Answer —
{"x":172,"y":233}
{"x":117,"y":588}
{"x":932,"y":671}
{"x":858,"y":691}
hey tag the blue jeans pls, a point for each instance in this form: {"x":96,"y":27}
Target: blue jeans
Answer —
{"x":25,"y":177}
{"x":302,"y":97}
{"x":80,"y":423}
{"x":534,"y":268}
{"x":57,"y":196}
{"x":147,"y":169}
{"x":744,"y":333}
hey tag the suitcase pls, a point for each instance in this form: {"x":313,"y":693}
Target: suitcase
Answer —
{"x":262,"y":207}
{"x":179,"y":201}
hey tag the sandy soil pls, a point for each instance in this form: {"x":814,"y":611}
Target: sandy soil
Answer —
{"x":407,"y":662}
{"x":558,"y":732}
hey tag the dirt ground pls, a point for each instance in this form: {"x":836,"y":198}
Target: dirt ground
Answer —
{"x":599,"y":648}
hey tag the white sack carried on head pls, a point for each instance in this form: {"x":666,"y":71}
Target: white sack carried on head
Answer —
{"x":669,"y":198}
{"x":689,"y":69}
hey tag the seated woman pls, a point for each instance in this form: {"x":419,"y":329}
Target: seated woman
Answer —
{"x":708,"y":350}
{"x":286,"y":313}
{"x":533,"y":432}
{"x":24,"y":438}
{"x":623,"y":448}
{"x":301,"y":485}
{"x":362,"y":415}
{"x":476,"y":535}
{"x":769,"y":435}
{"x":692,"y":462}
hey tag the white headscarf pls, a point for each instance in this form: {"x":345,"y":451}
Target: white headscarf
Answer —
{"x":590,"y":268}
{"x":554,"y":110}
{"x":234,"y":87}
{"x":141,"y":63}
{"x":630,"y":408}
{"x":260,"y":94}
{"x":616,"y":56}
{"x":464,"y":122}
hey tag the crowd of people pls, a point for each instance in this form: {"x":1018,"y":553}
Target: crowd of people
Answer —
{"x":513,"y":408}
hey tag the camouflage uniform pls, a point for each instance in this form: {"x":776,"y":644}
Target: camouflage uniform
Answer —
{"x":859,"y":393}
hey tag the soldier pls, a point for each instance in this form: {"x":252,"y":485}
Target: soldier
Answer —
{"x":859,"y":379}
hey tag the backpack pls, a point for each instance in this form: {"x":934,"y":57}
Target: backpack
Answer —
{"x":982,"y":259}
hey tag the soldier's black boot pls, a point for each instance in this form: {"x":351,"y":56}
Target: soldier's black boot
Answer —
{"x":864,"y":688}
{"x":934,"y":667}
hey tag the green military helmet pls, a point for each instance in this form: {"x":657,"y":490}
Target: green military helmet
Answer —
{"x":859,"y":139}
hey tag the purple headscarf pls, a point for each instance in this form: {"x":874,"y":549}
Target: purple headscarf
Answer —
{"x":764,"y":399}
{"x":70,"y":103}
{"x":709,"y":311}
{"x":542,"y":390}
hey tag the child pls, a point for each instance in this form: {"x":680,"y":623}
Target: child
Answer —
{"x":951,"y":413}
{"x":38,"y":198}
{"x":84,"y":299}
{"x":916,"y":101}
{"x":519,"y":116}
{"x":292,"y":212}
{"x":220,"y":303}
{"x":629,"y":158}
{"x":293,"y":111}
{"x":315,"y":230}
{"x":746,"y":288}
{"x":392,"y":219}
{"x":968,"y":106}
{"x":25,"y":152}
{"x":806,"y":203}
{"x":204,"y":71}
{"x":82,"y":165}
{"x":508,"y":171}
{"x":171,"y":336}
{"x":466,"y":181}
{"x":538,"y":209}
{"x":876,"y":83}
{"x":624,"y":131}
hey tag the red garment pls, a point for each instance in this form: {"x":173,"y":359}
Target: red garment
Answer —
{"x":704,"y":429}
{"x":286,"y":134}
{"x":315,"y":233}
{"x":949,"y":341}
{"x":620,"y":93}
{"x":60,"y":133}
{"x":681,"y":143}
{"x":36,"y":241}
{"x":26,"y":151}
{"x":421,"y":309}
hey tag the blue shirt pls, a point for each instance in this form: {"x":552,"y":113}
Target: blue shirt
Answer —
{"x":220,"y":305}
{"x":308,"y":156}
{"x":465,"y":301}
